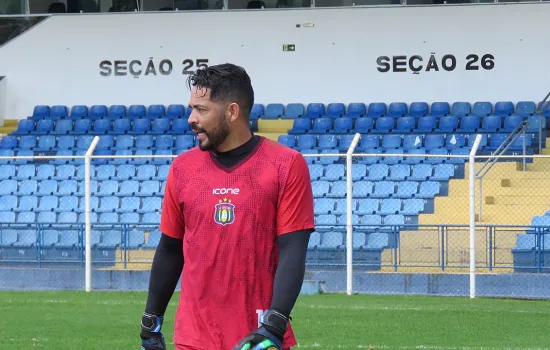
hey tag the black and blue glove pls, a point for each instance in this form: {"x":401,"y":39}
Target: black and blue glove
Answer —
{"x":269,"y":336}
{"x":151,"y":335}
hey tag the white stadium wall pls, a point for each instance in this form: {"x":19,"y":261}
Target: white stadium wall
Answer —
{"x":441,"y":53}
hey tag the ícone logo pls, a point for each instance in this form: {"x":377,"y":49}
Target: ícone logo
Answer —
{"x":225,"y":212}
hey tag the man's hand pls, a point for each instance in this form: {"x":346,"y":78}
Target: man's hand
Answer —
{"x":270,"y":334}
{"x":151,"y":335}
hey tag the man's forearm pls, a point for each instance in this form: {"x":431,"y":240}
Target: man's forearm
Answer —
{"x":165,"y":273}
{"x":290,"y":271}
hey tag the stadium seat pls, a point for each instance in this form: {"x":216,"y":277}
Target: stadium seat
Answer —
{"x":320,"y":188}
{"x":124,"y":142}
{"x":384,"y":124}
{"x":429,"y":189}
{"x":67,"y":239}
{"x":440,"y":109}
{"x":345,"y":141}
{"x":406,"y":124}
{"x":383,"y":189}
{"x":338,"y":189}
{"x":108,"y":188}
{"x":343,"y":125}
{"x":274,"y":111}
{"x":504,"y":108}
{"x":66,"y":142}
{"x":434,"y":141}
{"x":412,"y":206}
{"x":378,"y":240}
{"x":160,"y":126}
{"x":175,"y":111}
{"x":63,"y":127}
{"x":438,"y":155}
{"x":257,"y":111}
{"x":461,"y":109}
{"x":491,"y":123}
{"x":426,"y":124}
{"x":336,"y":110}
{"x":59,"y":112}
{"x":328,"y":141}
{"x":144,"y":142}
{"x":418,"y":109}
{"x":376,"y":110}
{"x":98,"y":111}
{"x":121,"y":126}
{"x":525,"y":108}
{"x":364,"y":125}
{"x":443,"y":172}
{"x":41,"y":111}
{"x":68,"y":204}
{"x":47,"y":187}
{"x":391,"y":141}
{"x":7,"y":218}
{"x":469,"y":124}
{"x":108,"y":204}
{"x":377,"y":172}
{"x":334,"y":172}
{"x":369,"y":141}
{"x":448,"y":124}
{"x":48,"y":203}
{"x":287,"y":140}
{"x":294,"y":111}
{"x":67,"y":188}
{"x":370,"y":222}
{"x":321,"y":125}
{"x":390,"y":206}
{"x":300,"y":126}
{"x":518,"y":144}
{"x":412,"y":141}
{"x":367,"y":206}
{"x":356,"y":110}
{"x":397,"y":109}
{"x":511,"y":122}
{"x":27,"y":142}
{"x":136,"y":111}
{"x":455,"y":141}
{"x":140,"y":126}
{"x":26,"y":238}
{"x":46,"y":218}
{"x":315,"y":110}
{"x":8,"y":171}
{"x":46,"y":143}
{"x":26,"y":204}
{"x":156,"y":111}
{"x":105,"y":172}
{"x":362,"y":189}
{"x":184,"y":142}
{"x":406,"y":189}
{"x":24,"y":127}
{"x":45,"y":172}
{"x":67,"y":217}
{"x":482,"y":109}
{"x":179,"y":126}
{"x":164,"y":141}
{"x":8,"y":142}
{"x":149,"y":188}
{"x":44,"y":126}
{"x":151,"y":204}
{"x":421,"y":172}
{"x":82,"y":127}
{"x":306,"y":141}
{"x":399,"y":172}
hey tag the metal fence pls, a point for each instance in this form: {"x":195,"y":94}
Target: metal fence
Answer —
{"x":398,"y":218}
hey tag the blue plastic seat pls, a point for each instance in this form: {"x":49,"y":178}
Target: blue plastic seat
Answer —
{"x":321,"y":125}
{"x":399,"y":172}
{"x":164,"y":141}
{"x":151,"y":204}
{"x":511,"y":122}
{"x":144,"y":156}
{"x":63,"y":127}
{"x":429,"y":189}
{"x":184,"y":142}
{"x":378,"y":240}
{"x":370,"y":222}
{"x":325,"y":222}
{"x":461,"y":109}
{"x":390,"y":206}
{"x":336,"y":110}
{"x":406,"y":124}
{"x":491,"y":123}
{"x":448,"y":124}
{"x":323,"y":206}
{"x":105,"y":172}
{"x":45,"y":172}
{"x":406,"y":189}
{"x":257,"y":111}
{"x":518,"y":144}
{"x":129,"y":188}
{"x":418,"y":109}
{"x":455,"y":141}
{"x":315,"y":171}
{"x":426,"y":124}
{"x":434,"y":141}
{"x":26,"y":203}
{"x":412,"y":141}
{"x":328,"y":141}
{"x":108,"y":204}
{"x":443,"y":172}
{"x":331,"y":241}
{"x":101,"y":126}
{"x":320,"y":188}
{"x":462,"y":152}
{"x":504,"y":108}
{"x":65,"y":143}
{"x":7,"y":172}
{"x":287,"y":140}
{"x":149,"y":188}
{"x":41,"y":111}
{"x":179,"y":126}
{"x":334,"y":172}
{"x":337,"y":189}
{"x":137,"y":111}
{"x":45,"y":143}
{"x":359,"y":171}
{"x":106,"y":142}
{"x":27,"y":142}
{"x":377,"y":109}
{"x":300,"y":126}
{"x":125,"y":172}
{"x":293,"y":111}
{"x":81,"y":127}
{"x":84,"y":141}
{"x":364,"y":125}
{"x":156,"y":111}
{"x":496,"y":140}
{"x":378,"y":172}
{"x":144,"y":142}
{"x":108,"y":188}
{"x":175,"y":111}
{"x":26,"y":238}
{"x":397,"y":109}
{"x":25,"y":127}
{"x":59,"y":112}
{"x":383,"y":189}
{"x":67,"y":218}
{"x":482,"y":108}
{"x":47,"y":187}
{"x":369,"y":141}
{"x":359,"y":240}
{"x":368,"y":206}
{"x":67,"y":204}
{"x":440,"y":109}
{"x":356,"y":110}
{"x":421,"y":172}
{"x":525,"y":108}
{"x":8,"y":187}
{"x":362,"y":189}
{"x":384,"y":124}
{"x":48,"y":203}
{"x":160,"y":126}
{"x":124,"y":142}
{"x":345,"y":141}
{"x":162,"y":172}
{"x":314,"y":110}
{"x":412,"y":206}
{"x":7,"y":217}
{"x":47,"y":217}
{"x":306,"y":141}
{"x":343,"y":125}
{"x":393,"y":156}
{"x":8,"y":142}
{"x":146,"y":172}
{"x":469,"y":124}
{"x":130,"y":218}
{"x":67,"y":188}
{"x":438,"y":155}
{"x":98,"y":111}
{"x":391,"y":141}
{"x":140,"y":126}
{"x":274,"y":111}
{"x":44,"y":126}
{"x":121,"y":126}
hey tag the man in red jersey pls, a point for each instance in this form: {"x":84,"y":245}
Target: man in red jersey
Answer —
{"x":236,"y":220}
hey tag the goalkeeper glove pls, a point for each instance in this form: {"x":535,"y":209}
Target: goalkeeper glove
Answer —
{"x":269,"y":336}
{"x":151,"y":336}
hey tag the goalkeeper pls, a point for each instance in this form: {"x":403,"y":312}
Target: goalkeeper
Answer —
{"x":236,"y":219}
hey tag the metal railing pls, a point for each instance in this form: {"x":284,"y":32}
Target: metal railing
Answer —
{"x":520,"y":130}
{"x":541,"y":107}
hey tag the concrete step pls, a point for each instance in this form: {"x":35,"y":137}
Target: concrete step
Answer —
{"x":276,"y":126}
{"x":519,"y":200}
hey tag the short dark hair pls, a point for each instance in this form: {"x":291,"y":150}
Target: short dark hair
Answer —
{"x":228,"y":83}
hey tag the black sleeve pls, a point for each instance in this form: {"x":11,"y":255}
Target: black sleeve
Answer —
{"x":290,"y":271}
{"x":165,"y":274}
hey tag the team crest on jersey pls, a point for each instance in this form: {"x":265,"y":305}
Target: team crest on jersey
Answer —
{"x":225,"y":212}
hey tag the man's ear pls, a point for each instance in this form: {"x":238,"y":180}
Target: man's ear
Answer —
{"x":233,"y":111}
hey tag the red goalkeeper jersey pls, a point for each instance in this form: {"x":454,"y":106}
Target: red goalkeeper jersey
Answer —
{"x":229,"y":219}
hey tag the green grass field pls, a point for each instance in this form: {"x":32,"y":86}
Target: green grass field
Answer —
{"x":110,"y":320}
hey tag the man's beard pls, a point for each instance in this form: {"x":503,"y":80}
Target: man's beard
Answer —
{"x":214,"y":138}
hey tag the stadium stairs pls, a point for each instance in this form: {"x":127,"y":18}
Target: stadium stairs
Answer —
{"x":8,"y":127}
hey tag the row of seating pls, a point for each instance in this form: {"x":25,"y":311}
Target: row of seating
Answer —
{"x":73,"y":187}
{"x":375,"y":208}
{"x":76,"y":204}
{"x":72,"y":172}
{"x":380,"y":189}
{"x":364,"y":206}
{"x":428,"y":141}
{"x":428,"y":124}
{"x":27,"y":218}
{"x":103,"y":126}
{"x":333,"y":240}
{"x":377,"y":172}
{"x":83,"y":142}
{"x":296,"y":110}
